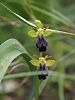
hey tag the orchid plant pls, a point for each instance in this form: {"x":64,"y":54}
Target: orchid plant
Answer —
{"x":42,"y":63}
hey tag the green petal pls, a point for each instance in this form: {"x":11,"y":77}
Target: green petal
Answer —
{"x":32,"y":33}
{"x":49,"y":63}
{"x":47,"y":32}
{"x":35,"y":62}
{"x":40,"y":31}
{"x":46,"y":57}
{"x":38,"y":24}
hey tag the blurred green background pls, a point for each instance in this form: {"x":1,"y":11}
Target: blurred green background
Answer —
{"x":58,"y":14}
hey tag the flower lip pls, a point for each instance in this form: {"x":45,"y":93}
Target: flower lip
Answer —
{"x":44,"y":69}
{"x":41,"y":43}
{"x":42,"y":77}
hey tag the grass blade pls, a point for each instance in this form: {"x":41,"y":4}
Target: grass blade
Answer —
{"x":61,"y":32}
{"x":50,"y":14}
{"x":24,"y":20}
{"x":34,"y":73}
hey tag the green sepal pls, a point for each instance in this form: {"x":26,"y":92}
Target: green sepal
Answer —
{"x":47,"y":32}
{"x":35,"y":62}
{"x":46,"y":57}
{"x":38,"y":24}
{"x":32,"y":33}
{"x":40,"y":31}
{"x":49,"y":63}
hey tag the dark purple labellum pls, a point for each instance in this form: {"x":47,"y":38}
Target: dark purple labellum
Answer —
{"x":43,"y":68}
{"x":41,"y":43}
{"x":42,"y":77}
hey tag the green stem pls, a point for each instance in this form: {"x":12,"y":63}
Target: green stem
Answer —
{"x":37,"y":89}
{"x":41,"y":54}
{"x":60,"y":69}
{"x":58,"y":51}
{"x":61,"y":88}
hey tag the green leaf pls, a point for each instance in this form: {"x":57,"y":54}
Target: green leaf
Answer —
{"x":34,"y":73}
{"x":20,"y":17}
{"x":63,"y":17}
{"x":32,"y":33}
{"x":49,"y":63}
{"x":50,"y":14}
{"x":35,"y":62}
{"x":9,"y":50}
{"x":61,"y":32}
{"x":47,"y":32}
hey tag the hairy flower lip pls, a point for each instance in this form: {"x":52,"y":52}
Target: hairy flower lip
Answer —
{"x":44,"y":70}
{"x":42,"y":77}
{"x":41,"y":43}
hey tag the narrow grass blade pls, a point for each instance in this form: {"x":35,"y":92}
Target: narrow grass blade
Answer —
{"x":50,"y":14}
{"x":34,"y":73}
{"x":24,"y":20}
{"x":63,"y":17}
{"x":61,"y":32}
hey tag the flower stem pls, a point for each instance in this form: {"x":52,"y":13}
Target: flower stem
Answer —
{"x":40,"y":54}
{"x":37,"y":89}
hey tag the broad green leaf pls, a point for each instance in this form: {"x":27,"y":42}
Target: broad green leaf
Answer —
{"x":9,"y":50}
{"x":35,"y":62}
{"x":32,"y":33}
{"x":47,"y":32}
{"x":49,"y":63}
